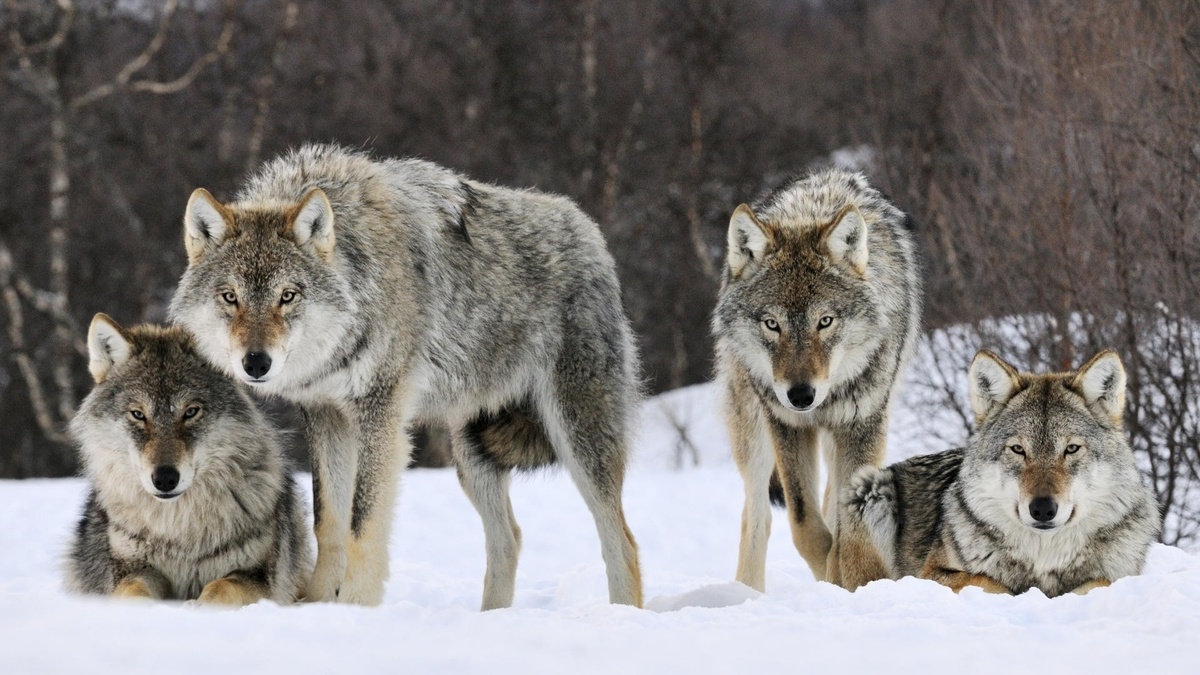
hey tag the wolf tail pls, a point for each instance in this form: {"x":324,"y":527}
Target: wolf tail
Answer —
{"x":869,"y":504}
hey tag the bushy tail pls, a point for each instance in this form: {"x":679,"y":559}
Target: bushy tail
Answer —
{"x":869,"y":504}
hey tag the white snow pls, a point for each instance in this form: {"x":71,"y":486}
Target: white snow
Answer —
{"x":697,"y":619}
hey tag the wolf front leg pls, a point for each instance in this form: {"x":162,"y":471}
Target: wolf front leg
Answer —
{"x":942,"y":568}
{"x":486,"y":484}
{"x":796,"y":458}
{"x":853,"y":559}
{"x":333,"y":449}
{"x":1091,"y":585}
{"x":234,"y":590}
{"x":145,"y":584}
{"x":755,"y":461}
{"x":384,"y":451}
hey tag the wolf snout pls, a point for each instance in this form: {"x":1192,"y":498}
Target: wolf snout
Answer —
{"x":256,"y":364}
{"x":1043,"y":509}
{"x":802,"y":396}
{"x":165,"y":478}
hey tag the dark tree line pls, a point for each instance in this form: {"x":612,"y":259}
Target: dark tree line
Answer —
{"x":1047,"y":150}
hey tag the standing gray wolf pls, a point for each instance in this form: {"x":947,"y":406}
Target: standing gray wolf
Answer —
{"x":1045,"y":495}
{"x":818,"y":313}
{"x":190,"y":497}
{"x":378,"y":293}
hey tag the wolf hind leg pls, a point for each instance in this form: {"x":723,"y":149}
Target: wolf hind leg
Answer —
{"x":486,"y":482}
{"x":589,"y":438}
{"x":867,"y":513}
{"x":853,"y":559}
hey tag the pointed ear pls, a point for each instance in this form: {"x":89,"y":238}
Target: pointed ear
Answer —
{"x":310,"y":224}
{"x":846,"y":238}
{"x":1101,"y":381}
{"x":108,"y":346}
{"x":750,"y":240}
{"x":206,"y":224}
{"x":993,"y":382}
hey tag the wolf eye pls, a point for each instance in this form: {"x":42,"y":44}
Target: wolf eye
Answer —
{"x":229,"y":297}
{"x":191,"y":412}
{"x":1073,"y":448}
{"x":771,"y":324}
{"x":138,"y":415}
{"x":287,"y":296}
{"x":1017,"y":449}
{"x":825,"y":322}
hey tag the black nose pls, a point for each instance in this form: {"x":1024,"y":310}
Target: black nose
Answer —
{"x":165,"y":478}
{"x":1043,"y":509}
{"x":802,"y":395}
{"x":256,"y":364}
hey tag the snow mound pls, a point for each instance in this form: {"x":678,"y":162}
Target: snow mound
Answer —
{"x":711,"y":596}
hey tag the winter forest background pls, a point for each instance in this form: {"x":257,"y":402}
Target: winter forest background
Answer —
{"x":1047,"y":150}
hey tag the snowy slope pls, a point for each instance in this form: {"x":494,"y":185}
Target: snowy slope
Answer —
{"x":686,"y":522}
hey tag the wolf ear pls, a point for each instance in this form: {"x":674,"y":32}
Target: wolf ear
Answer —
{"x":108,"y":346}
{"x":846,"y":238}
{"x":749,"y":239}
{"x":310,"y":224}
{"x":993,"y":382}
{"x":206,"y":223}
{"x":1102,"y":382}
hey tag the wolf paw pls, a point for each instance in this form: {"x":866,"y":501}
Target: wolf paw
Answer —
{"x":227,"y":593}
{"x":327,"y":578}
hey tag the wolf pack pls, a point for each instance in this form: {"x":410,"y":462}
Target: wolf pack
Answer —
{"x":377,"y":294}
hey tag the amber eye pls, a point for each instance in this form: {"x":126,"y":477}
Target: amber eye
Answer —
{"x":287,"y":296}
{"x":191,"y":412}
{"x":1073,"y":448}
{"x":138,"y":415}
{"x":1017,"y":449}
{"x":229,"y":297}
{"x":771,"y":324}
{"x":825,"y":322}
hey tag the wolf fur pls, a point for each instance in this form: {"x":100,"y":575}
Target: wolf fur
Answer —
{"x":379,"y":293}
{"x":1045,"y":495}
{"x":190,"y":498}
{"x":818,"y":313}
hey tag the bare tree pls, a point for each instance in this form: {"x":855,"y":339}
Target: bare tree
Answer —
{"x":40,"y":63}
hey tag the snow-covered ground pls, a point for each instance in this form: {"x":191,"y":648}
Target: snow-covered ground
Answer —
{"x":698,"y":621}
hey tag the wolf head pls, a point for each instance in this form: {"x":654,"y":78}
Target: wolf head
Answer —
{"x":261,"y":293}
{"x":796,"y":304}
{"x":160,"y":416}
{"x":1050,"y":449}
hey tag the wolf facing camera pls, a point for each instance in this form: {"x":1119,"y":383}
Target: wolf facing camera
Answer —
{"x":190,"y":498}
{"x":379,"y":293}
{"x":1045,"y":495}
{"x":818,"y":314}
